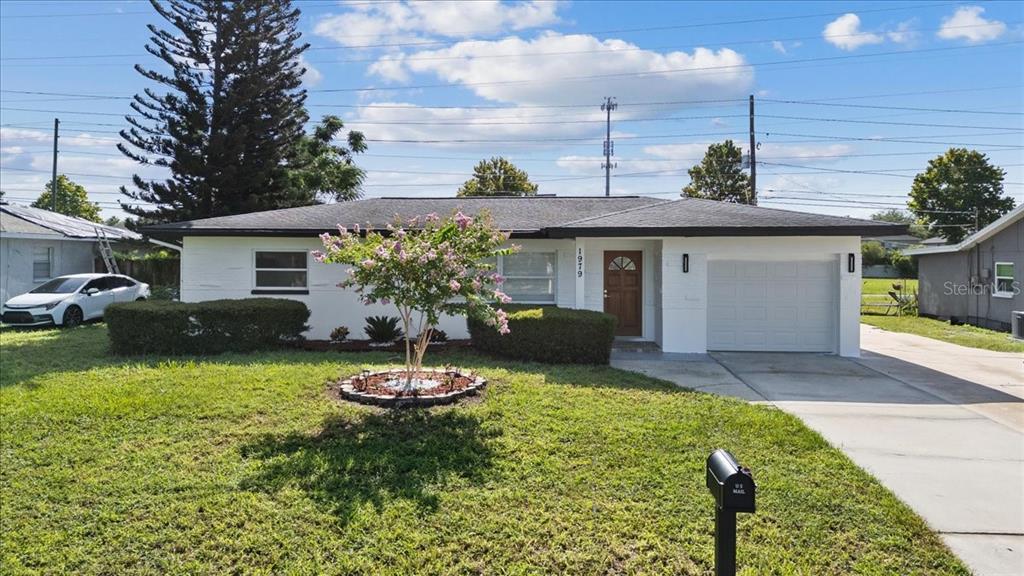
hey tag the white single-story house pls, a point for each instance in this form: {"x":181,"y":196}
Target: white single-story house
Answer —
{"x":37,"y":245}
{"x":977,"y":281}
{"x":690,"y":275}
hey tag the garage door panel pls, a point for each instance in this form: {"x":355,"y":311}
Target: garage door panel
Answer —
{"x":751,"y":270}
{"x":772,"y":306}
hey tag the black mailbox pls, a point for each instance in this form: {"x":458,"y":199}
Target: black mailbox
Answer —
{"x":731,"y":484}
{"x":733,"y":487}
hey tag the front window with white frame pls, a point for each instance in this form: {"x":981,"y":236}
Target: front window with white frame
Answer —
{"x":530,"y":277}
{"x":42,"y":263}
{"x":1004,"y":280}
{"x":284,"y":270}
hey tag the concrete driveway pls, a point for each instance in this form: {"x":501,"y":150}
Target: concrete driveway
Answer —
{"x":940,"y":425}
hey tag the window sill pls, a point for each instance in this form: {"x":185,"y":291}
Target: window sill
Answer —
{"x":1003,"y":294}
{"x":279,"y":291}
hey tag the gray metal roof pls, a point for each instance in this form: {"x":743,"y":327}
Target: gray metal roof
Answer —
{"x":68,"y":226}
{"x":543,"y":216}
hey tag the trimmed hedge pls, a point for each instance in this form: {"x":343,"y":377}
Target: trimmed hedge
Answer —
{"x":549,"y":334}
{"x":211,"y":327}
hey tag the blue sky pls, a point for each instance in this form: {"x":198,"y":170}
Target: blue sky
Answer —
{"x":853,"y":98}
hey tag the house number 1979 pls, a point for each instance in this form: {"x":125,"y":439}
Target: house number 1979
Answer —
{"x":579,"y":262}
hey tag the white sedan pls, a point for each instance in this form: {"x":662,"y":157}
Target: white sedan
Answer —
{"x":71,"y":300}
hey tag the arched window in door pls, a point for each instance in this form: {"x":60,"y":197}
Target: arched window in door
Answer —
{"x":622,"y":263}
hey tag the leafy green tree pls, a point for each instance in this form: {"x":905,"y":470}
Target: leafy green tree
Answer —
{"x":957,"y":189}
{"x":720,"y":176}
{"x":498,"y":177}
{"x":72,"y":200}
{"x":872,"y":253}
{"x":325,"y":170}
{"x":226,"y":115}
{"x":897,"y":216}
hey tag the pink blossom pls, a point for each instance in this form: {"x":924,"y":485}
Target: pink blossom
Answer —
{"x":342,"y":230}
{"x":385,"y":301}
{"x":476,"y":284}
{"x":497,"y":278}
{"x":368,"y":263}
{"x":454,"y":285}
{"x":319,"y":256}
{"x":502,"y":297}
{"x":462,"y":220}
{"x":402,"y":256}
{"x":432,"y":217}
{"x":431,"y":254}
{"x":400,"y":233}
{"x":355,"y":228}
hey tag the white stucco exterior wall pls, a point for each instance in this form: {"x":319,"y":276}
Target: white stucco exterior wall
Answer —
{"x":16,"y":256}
{"x":685,"y":295}
{"x":223,"y":267}
{"x":675,"y":303}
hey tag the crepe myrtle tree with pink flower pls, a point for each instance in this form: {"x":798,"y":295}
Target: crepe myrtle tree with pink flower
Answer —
{"x":426,"y":267}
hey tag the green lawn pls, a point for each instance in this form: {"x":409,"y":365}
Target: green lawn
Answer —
{"x":964,"y":335}
{"x":876,"y":291}
{"x":242,"y":464}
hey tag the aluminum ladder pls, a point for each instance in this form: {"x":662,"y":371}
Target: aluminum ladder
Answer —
{"x":106,"y":252}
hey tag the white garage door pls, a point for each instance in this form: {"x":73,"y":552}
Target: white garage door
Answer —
{"x":772,"y":306}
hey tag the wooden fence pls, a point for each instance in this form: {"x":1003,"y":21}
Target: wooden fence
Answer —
{"x":155,"y":272}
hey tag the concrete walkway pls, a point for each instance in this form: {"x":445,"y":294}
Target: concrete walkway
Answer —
{"x":937,"y":424}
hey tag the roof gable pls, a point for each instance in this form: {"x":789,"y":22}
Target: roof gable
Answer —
{"x":985,"y":233}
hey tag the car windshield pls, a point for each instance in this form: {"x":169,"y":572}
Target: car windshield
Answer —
{"x":64,"y":285}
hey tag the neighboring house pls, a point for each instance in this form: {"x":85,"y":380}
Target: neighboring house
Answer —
{"x":977,"y":281}
{"x":691,"y":275}
{"x":36,"y":245}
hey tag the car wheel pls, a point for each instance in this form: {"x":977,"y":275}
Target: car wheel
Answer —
{"x":73,"y":317}
{"x":139,"y":299}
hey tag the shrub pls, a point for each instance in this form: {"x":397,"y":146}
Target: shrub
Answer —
{"x":382,"y":329}
{"x":904,"y":265}
{"x":436,"y":335}
{"x":549,"y":334}
{"x":212,"y":327}
{"x":339,"y":334}
{"x":872,"y":253}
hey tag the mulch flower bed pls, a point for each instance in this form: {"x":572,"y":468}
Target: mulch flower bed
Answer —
{"x":429,"y":387}
{"x":365,"y":346}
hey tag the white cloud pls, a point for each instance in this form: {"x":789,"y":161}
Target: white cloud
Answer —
{"x":903,"y":33}
{"x":80,"y":139}
{"x":312,"y":76}
{"x":845,"y":33}
{"x":968,"y":24}
{"x":369,"y":23}
{"x":620,"y":68}
{"x":692,"y":153}
{"x":779,"y":47}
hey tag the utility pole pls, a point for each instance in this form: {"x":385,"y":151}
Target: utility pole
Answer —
{"x":753,"y":157}
{"x":608,"y":105}
{"x":53,"y":182}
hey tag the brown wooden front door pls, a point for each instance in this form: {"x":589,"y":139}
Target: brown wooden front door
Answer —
{"x":623,"y":289}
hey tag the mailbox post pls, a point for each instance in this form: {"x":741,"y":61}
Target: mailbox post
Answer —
{"x":733,"y":487}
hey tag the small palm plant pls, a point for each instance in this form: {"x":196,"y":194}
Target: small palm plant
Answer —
{"x":382,"y":329}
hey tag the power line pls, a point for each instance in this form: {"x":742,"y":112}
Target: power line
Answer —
{"x":662,"y":72}
{"x":590,"y":32}
{"x":880,"y":107}
{"x":403,"y":58}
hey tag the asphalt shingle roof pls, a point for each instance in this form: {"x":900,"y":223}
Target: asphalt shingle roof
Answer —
{"x":517,"y":214}
{"x":543,"y":216}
